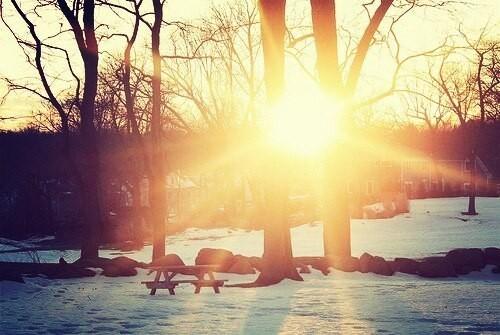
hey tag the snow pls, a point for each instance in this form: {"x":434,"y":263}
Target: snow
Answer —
{"x":340,"y":303}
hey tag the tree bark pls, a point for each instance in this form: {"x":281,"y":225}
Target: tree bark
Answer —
{"x":335,"y":202}
{"x":277,"y":258}
{"x":157,"y":185}
{"x":325,"y":39}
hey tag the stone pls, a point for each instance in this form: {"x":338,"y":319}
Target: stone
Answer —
{"x":208,"y":256}
{"x":256,"y":262}
{"x":11,"y":276}
{"x":436,"y":267}
{"x":241,"y":266}
{"x":69,"y":271}
{"x":375,"y":264}
{"x":405,"y":265}
{"x":492,"y":255}
{"x":125,"y":262}
{"x":364,"y":262}
{"x":466,"y":260}
{"x":117,"y":271}
{"x":380,"y":266}
{"x":346,"y":264}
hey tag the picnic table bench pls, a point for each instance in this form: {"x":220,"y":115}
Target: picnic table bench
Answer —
{"x":204,"y":277}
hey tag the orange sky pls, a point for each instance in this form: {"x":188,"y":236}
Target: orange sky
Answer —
{"x":419,"y":31}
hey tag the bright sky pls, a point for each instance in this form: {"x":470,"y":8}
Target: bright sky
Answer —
{"x":419,"y":31}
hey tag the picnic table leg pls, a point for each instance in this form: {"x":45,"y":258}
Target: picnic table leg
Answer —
{"x":212,"y":277}
{"x":168,"y":277}
{"x":157,"y":279}
{"x":197,"y":289}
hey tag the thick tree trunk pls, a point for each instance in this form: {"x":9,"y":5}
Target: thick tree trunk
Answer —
{"x":335,"y":206}
{"x":325,"y":39}
{"x":278,"y":259}
{"x":89,"y":167}
{"x":336,"y":216}
{"x":157,"y":185}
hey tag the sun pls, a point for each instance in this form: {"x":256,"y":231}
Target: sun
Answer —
{"x":304,"y":122}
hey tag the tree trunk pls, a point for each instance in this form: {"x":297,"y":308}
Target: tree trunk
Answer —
{"x":278,"y":259}
{"x":157,"y":185}
{"x":325,"y":39}
{"x":335,"y":207}
{"x":472,"y":187}
{"x":336,"y":216}
{"x":90,"y":167}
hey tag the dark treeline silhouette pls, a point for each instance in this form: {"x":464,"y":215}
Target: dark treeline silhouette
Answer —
{"x":35,"y":176}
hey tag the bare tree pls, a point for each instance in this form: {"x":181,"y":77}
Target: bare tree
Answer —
{"x":88,"y":167}
{"x":330,"y":69}
{"x":278,"y":258}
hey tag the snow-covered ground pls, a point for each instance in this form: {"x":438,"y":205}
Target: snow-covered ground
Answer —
{"x":343,"y":303}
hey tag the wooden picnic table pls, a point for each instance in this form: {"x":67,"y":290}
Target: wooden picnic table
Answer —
{"x":204,"y":277}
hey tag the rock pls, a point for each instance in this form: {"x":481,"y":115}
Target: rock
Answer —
{"x":208,"y":256}
{"x":241,"y":266}
{"x":364,"y":262}
{"x":256,"y":263}
{"x":11,"y":276}
{"x":125,"y":262}
{"x":492,"y":256}
{"x":405,"y":265}
{"x":117,"y":271}
{"x":168,"y":260}
{"x":380,"y":266}
{"x":99,"y":262}
{"x":466,"y":260}
{"x":375,"y":264}
{"x":69,"y":271}
{"x":321,"y":264}
{"x":436,"y":267}
{"x":496,"y":270}
{"x":304,"y":269}
{"x":346,"y":264}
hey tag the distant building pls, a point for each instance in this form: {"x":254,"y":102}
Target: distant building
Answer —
{"x":424,"y":177}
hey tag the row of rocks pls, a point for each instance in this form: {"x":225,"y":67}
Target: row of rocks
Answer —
{"x":455,"y":262}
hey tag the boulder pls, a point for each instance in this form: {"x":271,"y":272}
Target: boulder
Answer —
{"x":208,"y":256}
{"x":380,"y":266}
{"x":125,"y":262}
{"x":375,"y":264}
{"x":241,"y":266}
{"x":65,"y":271}
{"x":117,"y":271}
{"x":466,"y":260}
{"x":404,"y":265}
{"x":492,"y":256}
{"x":346,"y":264}
{"x":168,"y":260}
{"x":436,"y":267}
{"x":121,"y":266}
{"x":11,"y":276}
{"x":321,"y":264}
{"x":99,"y":262}
{"x":256,"y":263}
{"x":364,"y":262}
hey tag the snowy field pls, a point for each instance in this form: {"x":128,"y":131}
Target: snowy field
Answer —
{"x":341,"y":303}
